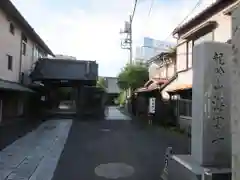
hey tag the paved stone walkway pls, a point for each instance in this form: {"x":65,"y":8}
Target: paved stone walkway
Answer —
{"x":113,"y":113}
{"x":35,"y":156}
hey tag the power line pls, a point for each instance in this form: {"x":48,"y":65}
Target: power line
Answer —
{"x":149,"y":13}
{"x":134,"y":8}
{"x":195,"y":7}
{"x":188,"y":15}
{"x":150,"y":9}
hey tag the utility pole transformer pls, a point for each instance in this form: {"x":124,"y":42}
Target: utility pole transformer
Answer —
{"x":126,"y":43}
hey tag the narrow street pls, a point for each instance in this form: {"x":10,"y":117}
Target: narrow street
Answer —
{"x":110,"y":149}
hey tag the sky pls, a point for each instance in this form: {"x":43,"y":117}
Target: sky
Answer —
{"x":89,"y":29}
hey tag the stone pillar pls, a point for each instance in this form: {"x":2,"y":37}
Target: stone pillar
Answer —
{"x":210,"y":156}
{"x":235,"y":93}
{"x":211,"y":137}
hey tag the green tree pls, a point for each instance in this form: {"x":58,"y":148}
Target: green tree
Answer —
{"x":101,"y":83}
{"x":132,"y":76}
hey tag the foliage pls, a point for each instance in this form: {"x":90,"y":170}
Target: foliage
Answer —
{"x":101,"y":83}
{"x":121,"y":98}
{"x":132,"y":76}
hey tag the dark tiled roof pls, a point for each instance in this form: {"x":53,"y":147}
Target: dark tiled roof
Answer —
{"x":14,"y":14}
{"x":12,"y":86}
{"x":204,"y":15}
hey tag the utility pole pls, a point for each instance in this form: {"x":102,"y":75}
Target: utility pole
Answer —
{"x":130,"y":38}
{"x":126,"y":43}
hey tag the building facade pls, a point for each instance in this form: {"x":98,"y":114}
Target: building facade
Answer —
{"x":20,"y":48}
{"x":212,"y":24}
{"x":150,"y":48}
{"x":112,"y":89}
{"x":162,"y":66}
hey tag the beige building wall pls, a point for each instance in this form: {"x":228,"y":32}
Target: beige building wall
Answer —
{"x":170,"y":71}
{"x":223,"y":30}
{"x":10,"y":44}
{"x":222,"y":33}
{"x":166,"y":71}
{"x":181,"y":56}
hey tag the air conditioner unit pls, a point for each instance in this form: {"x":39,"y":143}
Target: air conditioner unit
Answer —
{"x":127,"y":27}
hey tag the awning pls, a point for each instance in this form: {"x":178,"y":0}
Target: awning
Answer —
{"x":152,"y":85}
{"x":208,"y":25}
{"x":180,"y":87}
{"x":141,"y":90}
{"x":7,"y":85}
{"x":155,"y":82}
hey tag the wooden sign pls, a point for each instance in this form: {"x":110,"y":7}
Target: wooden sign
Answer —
{"x":152,"y":102}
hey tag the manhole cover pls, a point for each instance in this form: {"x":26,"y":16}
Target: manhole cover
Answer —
{"x":114,"y":170}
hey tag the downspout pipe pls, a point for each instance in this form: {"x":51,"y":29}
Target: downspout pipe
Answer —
{"x":20,"y":60}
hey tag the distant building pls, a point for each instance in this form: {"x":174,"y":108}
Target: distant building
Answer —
{"x":112,"y":85}
{"x":112,"y":89}
{"x":150,"y":48}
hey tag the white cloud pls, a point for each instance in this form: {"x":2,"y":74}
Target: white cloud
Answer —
{"x":93,"y":33}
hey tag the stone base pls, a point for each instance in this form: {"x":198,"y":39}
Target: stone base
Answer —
{"x":187,"y":168}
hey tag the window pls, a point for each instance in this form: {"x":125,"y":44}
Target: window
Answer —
{"x":10,"y":62}
{"x":206,"y":37}
{"x":35,"y":51}
{"x":24,"y":44}
{"x":182,"y":57}
{"x":11,"y":28}
{"x":190,"y":48}
{"x":40,"y":55}
{"x":24,"y":48}
{"x":185,"y":107}
{"x":191,"y":43}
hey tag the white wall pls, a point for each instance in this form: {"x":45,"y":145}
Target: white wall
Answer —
{"x":112,"y":86}
{"x":11,"y":44}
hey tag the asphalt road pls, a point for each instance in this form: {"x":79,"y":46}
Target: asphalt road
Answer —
{"x":139,"y":150}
